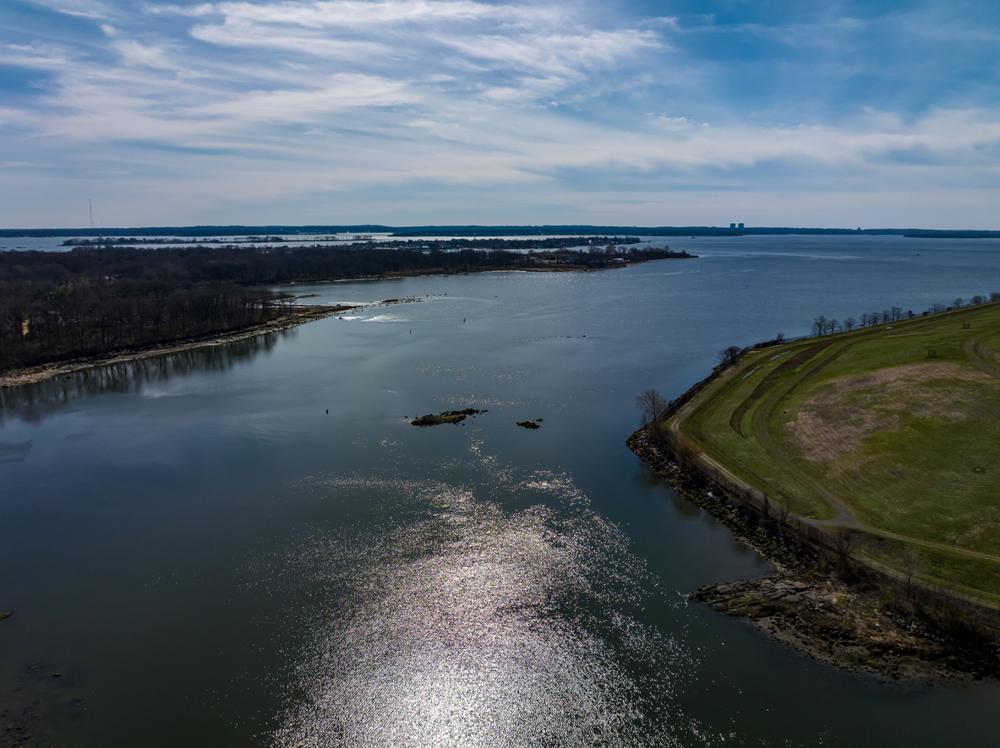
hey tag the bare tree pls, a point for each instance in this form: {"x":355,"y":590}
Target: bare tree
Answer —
{"x":849,"y":324}
{"x":729,"y":356}
{"x":779,"y":338}
{"x":652,"y":405}
{"x":911,"y":565}
{"x":958,"y":303}
{"x":844,"y":541}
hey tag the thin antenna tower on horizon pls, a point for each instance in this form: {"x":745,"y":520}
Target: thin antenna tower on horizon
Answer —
{"x":90,"y":202}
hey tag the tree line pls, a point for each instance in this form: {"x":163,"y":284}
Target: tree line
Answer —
{"x":823,"y":326}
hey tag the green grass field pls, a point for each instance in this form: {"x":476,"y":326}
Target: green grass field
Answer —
{"x":891,"y":431}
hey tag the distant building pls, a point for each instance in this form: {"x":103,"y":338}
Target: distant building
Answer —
{"x":741,"y":227}
{"x":732,"y":227}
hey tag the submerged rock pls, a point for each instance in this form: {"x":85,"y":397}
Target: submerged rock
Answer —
{"x":529,"y":424}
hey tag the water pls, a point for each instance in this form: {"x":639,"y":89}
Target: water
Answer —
{"x":206,"y":557}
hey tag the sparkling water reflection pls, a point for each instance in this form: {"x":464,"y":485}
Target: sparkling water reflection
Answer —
{"x":471,"y":624}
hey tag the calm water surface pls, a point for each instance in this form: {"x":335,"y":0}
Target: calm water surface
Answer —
{"x":205,"y":556}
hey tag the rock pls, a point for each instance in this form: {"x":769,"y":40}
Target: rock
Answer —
{"x":528,"y":425}
{"x":5,"y":614}
{"x":449,"y":416}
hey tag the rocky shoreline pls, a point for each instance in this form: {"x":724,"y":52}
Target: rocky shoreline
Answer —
{"x":822,"y":608}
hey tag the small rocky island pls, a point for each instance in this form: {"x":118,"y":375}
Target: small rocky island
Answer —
{"x":530,"y":424}
{"x":449,"y":416}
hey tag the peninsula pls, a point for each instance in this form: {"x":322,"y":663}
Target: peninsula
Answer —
{"x":864,"y":464}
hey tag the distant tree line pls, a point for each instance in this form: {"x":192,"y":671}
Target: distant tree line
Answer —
{"x":538,"y":230}
{"x":823,"y":326}
{"x":124,"y":241}
{"x":57,"y":305}
{"x":448,"y":245}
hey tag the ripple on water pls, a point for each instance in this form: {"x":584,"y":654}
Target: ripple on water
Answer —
{"x":460,"y":622}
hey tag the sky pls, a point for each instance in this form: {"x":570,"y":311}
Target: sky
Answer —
{"x":412,"y":112}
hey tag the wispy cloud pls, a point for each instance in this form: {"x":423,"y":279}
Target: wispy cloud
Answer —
{"x":379,"y":105}
{"x":241,"y":33}
{"x":369,"y":13}
{"x":81,"y":8}
{"x":569,"y":55}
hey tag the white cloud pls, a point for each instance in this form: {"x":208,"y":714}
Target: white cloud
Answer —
{"x":37,"y":55}
{"x":134,"y":53}
{"x":570,"y":55}
{"x":81,"y":8}
{"x":342,"y":91}
{"x":368,"y":13}
{"x":240,"y":33}
{"x":672,"y":124}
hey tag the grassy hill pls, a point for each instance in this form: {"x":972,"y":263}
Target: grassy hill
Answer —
{"x":891,"y":432}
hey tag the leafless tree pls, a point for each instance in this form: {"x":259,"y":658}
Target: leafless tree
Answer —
{"x":911,"y":565}
{"x":844,"y":542}
{"x":729,"y":356}
{"x":652,"y":405}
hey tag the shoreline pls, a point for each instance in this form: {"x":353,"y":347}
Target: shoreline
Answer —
{"x":299,"y":315}
{"x":819,"y":606}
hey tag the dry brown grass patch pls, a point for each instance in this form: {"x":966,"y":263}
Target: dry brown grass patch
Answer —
{"x":835,"y":421}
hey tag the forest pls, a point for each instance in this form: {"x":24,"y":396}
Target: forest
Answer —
{"x":95,"y":300}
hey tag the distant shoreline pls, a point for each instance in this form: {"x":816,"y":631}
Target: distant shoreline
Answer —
{"x":299,"y":315}
{"x":402,"y":232}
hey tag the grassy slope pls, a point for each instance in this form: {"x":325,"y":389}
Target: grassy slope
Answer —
{"x":928,"y":466}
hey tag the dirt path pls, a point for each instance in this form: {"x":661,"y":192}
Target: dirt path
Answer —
{"x":979,"y":356}
{"x":843,"y":516}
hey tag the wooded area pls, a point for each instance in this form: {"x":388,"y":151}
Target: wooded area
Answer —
{"x":59,"y":305}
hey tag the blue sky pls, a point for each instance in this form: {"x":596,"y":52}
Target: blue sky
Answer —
{"x":472,"y":111}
